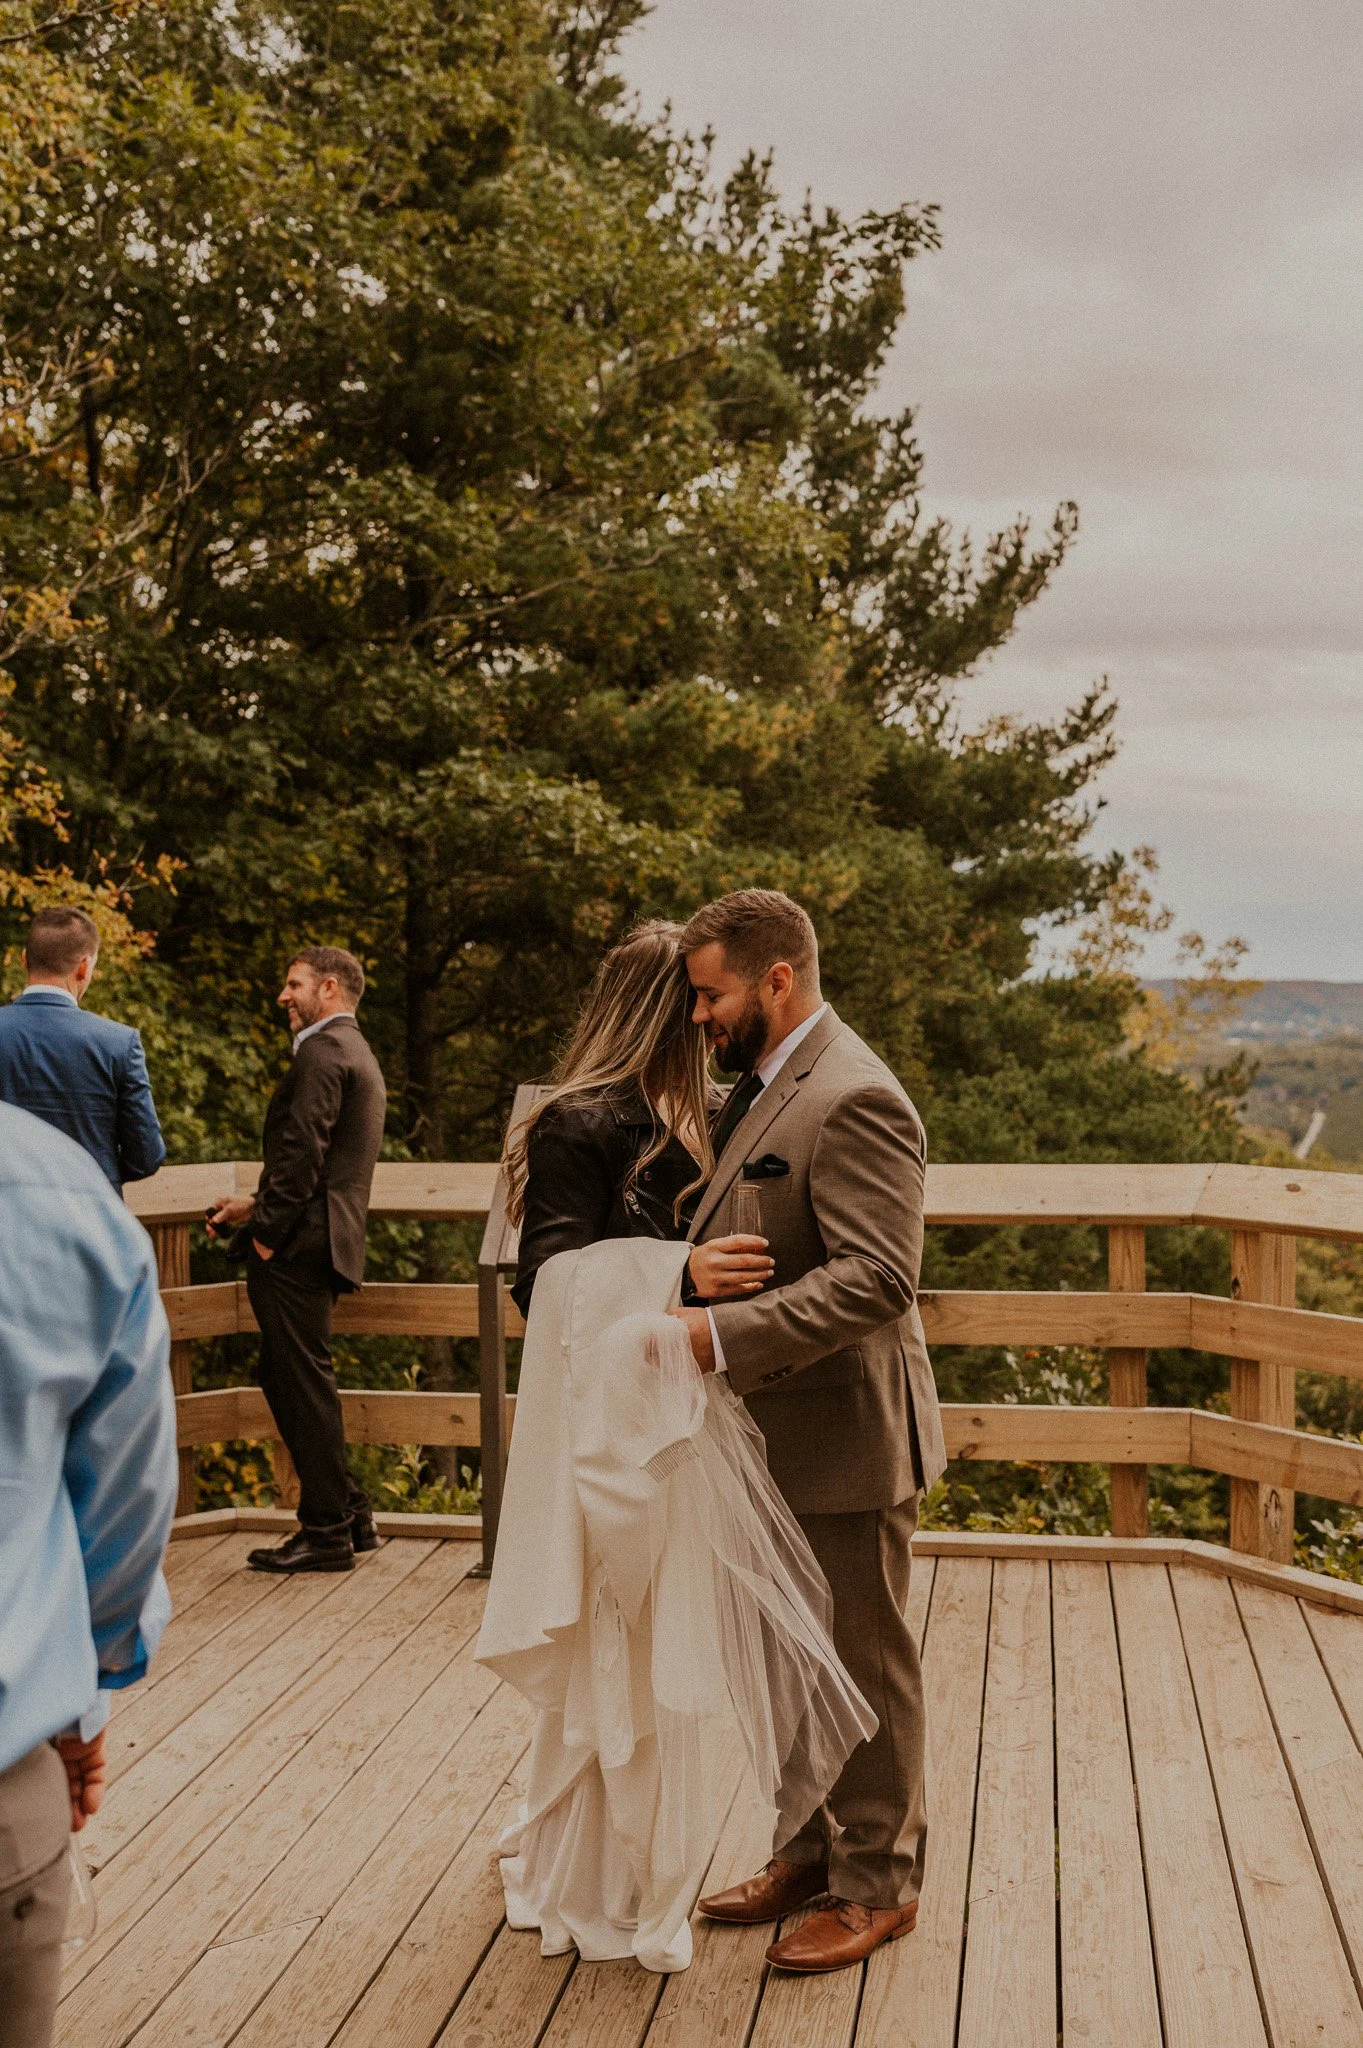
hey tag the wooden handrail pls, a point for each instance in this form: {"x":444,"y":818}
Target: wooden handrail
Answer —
{"x":1261,"y":1198}
{"x":1266,"y":1337}
{"x":1012,"y":1433}
{"x":1297,"y":1339}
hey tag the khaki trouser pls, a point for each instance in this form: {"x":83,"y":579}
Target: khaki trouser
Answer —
{"x":35,"y":1880}
{"x":873,"y":1826}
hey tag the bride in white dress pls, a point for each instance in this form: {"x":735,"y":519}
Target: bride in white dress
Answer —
{"x":653,"y":1596}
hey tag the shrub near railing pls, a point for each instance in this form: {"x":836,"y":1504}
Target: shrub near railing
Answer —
{"x":1266,"y":1337}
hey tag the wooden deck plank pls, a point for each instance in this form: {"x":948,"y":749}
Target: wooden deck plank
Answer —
{"x":241,"y":1698}
{"x":611,"y":2005}
{"x":1321,"y":1754}
{"x":431,"y":1967}
{"x":807,"y":2012}
{"x":364,"y":1622}
{"x":396,"y":1949}
{"x":210,"y":2004}
{"x":1206,"y":1984}
{"x":233,"y":1657}
{"x":1107,"y":1964}
{"x":511,"y":1999}
{"x":195,"y":1903}
{"x":1340,"y":1644}
{"x":912,"y":1985}
{"x":191,"y":1629}
{"x":821,"y":2012}
{"x":712,"y":2004}
{"x":605,"y":2005}
{"x":183,"y":1559}
{"x":1008,"y":1992}
{"x":192,"y":1912}
{"x":1304,"y":1978}
{"x":325,"y":1879}
{"x":448,"y":1691}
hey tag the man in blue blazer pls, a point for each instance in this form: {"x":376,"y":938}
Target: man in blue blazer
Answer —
{"x":86,"y":1075}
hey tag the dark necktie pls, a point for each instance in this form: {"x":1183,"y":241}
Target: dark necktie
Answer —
{"x":741,"y":1098}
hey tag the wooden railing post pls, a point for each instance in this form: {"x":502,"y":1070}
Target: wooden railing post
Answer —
{"x":170,"y":1241}
{"x":1126,"y":1379}
{"x":496,"y":1256}
{"x":494,"y":1432}
{"x":1263,"y":1268}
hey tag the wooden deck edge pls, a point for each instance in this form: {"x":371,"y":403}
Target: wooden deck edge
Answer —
{"x":1185,"y":1550}
{"x":223,"y":1521}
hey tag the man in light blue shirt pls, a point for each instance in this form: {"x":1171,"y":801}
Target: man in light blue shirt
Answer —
{"x":87,"y":1494}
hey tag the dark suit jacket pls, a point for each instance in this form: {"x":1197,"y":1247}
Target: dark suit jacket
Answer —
{"x":85,"y":1075}
{"x":323,"y":1130}
{"x":578,"y":1187}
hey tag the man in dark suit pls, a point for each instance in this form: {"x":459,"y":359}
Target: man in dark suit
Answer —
{"x":304,"y":1228}
{"x":85,"y":1075}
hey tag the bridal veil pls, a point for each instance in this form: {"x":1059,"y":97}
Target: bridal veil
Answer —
{"x":652,"y":1595}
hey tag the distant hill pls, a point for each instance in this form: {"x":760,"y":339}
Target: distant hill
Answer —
{"x":1305,"y":1039}
{"x":1294,"y":1012}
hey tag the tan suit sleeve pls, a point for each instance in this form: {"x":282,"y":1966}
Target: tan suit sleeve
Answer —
{"x":866,"y":1185}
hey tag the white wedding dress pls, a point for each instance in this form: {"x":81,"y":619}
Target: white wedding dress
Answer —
{"x":652,"y":1593}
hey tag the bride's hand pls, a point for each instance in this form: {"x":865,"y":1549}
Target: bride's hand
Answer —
{"x":729,"y":1266}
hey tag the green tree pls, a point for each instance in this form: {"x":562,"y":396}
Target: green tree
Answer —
{"x":437,"y":516}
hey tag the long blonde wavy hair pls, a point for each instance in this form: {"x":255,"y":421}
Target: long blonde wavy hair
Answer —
{"x":635,"y":1025}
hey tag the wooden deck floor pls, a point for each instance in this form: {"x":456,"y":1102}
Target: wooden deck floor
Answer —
{"x":1147,"y":1804}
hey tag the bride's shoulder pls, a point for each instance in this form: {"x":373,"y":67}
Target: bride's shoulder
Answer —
{"x":598,"y":1115}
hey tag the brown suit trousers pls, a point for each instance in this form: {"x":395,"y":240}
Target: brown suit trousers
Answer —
{"x":873,"y":1828}
{"x":831,"y":1362}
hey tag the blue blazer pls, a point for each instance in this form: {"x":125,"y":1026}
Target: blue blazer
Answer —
{"x":85,"y":1075}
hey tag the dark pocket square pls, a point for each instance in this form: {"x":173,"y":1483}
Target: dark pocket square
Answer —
{"x":769,"y":1167}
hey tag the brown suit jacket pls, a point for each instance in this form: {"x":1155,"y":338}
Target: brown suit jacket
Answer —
{"x":831,"y":1357}
{"x":323,"y":1130}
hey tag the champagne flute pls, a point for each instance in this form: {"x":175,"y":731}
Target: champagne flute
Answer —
{"x":747,"y":1209}
{"x":82,"y":1914}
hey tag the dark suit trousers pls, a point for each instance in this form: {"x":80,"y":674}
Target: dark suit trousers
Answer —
{"x":293,"y":1305}
{"x":873,"y":1826}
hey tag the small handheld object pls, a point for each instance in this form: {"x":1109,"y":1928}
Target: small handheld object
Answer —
{"x":82,"y":1916}
{"x":747,"y":1211}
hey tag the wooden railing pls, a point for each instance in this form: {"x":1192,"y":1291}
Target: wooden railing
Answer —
{"x":1266,"y":1337}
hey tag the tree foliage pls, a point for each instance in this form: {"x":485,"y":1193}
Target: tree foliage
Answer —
{"x":439,"y":516}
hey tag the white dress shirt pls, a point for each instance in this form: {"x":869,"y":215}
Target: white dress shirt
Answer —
{"x":46,"y":988}
{"x":321,"y":1025}
{"x":767,"y":1070}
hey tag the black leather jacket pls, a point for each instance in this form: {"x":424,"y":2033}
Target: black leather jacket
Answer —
{"x":576,"y":1189}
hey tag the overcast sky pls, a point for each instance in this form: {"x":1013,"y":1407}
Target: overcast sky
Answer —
{"x":1150,"y":299}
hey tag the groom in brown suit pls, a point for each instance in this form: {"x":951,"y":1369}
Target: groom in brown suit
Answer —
{"x":831,"y":1361}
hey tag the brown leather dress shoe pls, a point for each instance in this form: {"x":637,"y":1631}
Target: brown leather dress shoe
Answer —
{"x":842,"y":1934}
{"x":775,"y":1891}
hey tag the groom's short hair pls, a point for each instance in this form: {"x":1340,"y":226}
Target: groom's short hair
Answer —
{"x":756,"y":928}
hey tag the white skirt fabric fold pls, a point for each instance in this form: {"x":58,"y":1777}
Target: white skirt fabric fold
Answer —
{"x":652,"y":1594}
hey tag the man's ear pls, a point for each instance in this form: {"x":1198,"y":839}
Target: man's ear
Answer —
{"x":782,"y":978}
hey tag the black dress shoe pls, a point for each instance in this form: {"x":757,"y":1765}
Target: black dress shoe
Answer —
{"x":309,"y":1551}
{"x":363,"y":1534}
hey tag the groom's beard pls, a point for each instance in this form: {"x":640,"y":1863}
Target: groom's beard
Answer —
{"x":742,"y":1048}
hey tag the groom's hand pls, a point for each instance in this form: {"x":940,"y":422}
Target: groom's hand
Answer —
{"x":698,"y":1329}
